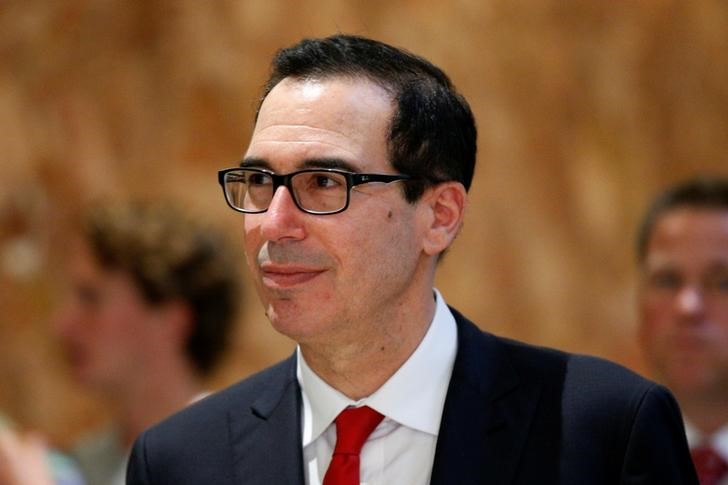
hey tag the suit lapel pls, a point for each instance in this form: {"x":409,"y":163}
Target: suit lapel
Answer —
{"x":266,"y":436}
{"x":487,"y":414}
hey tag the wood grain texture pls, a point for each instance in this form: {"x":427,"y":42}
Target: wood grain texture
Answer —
{"x":585,"y":110}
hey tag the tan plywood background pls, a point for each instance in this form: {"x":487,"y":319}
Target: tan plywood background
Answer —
{"x":585,"y":109}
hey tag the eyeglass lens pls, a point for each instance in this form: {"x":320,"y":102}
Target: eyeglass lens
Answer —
{"x":316,"y":191}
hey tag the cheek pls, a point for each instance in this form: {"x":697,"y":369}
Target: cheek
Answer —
{"x":251,"y":242}
{"x":249,"y":226}
{"x":106,"y":332}
{"x":387,"y":247}
{"x":67,"y":322}
{"x":118,"y":324}
{"x":720,"y":318}
{"x":655,"y":321}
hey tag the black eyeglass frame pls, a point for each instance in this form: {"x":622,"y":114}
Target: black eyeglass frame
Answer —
{"x":352,"y":180}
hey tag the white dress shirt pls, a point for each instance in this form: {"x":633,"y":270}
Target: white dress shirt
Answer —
{"x":402,"y":448}
{"x":718,"y":441}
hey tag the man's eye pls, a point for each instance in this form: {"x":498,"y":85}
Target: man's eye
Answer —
{"x":326,"y":182}
{"x":718,"y":282}
{"x":665,"y":280}
{"x":258,"y":179}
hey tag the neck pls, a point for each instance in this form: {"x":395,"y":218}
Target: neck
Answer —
{"x":152,"y":397}
{"x":361,"y":364}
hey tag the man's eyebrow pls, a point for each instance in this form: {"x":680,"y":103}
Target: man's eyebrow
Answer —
{"x":254,"y":162}
{"x":327,"y":162}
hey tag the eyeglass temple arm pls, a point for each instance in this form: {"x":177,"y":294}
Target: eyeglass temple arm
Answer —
{"x":363,"y":178}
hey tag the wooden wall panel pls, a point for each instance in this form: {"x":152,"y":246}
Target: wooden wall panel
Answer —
{"x":585,"y":110}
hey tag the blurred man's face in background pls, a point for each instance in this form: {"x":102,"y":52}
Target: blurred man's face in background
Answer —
{"x":684,"y":302}
{"x":104,"y":324}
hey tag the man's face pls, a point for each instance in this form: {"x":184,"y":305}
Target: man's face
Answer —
{"x":106,"y":327}
{"x":328,"y":277}
{"x":684,"y":302}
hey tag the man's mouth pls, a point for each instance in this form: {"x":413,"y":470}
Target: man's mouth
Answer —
{"x":284,"y":276}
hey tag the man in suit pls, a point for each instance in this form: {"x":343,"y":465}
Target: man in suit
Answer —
{"x":352,"y":187}
{"x":683,"y":299}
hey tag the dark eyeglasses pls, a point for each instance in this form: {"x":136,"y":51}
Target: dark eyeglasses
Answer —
{"x":315,"y":191}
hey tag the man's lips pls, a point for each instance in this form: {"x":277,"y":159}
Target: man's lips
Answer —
{"x":284,"y":266}
{"x":287,"y":276}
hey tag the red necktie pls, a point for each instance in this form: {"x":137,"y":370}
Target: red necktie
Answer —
{"x":353,"y":427}
{"x":711,"y":467}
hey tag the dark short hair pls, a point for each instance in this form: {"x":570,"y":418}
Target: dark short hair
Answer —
{"x":432,"y":135}
{"x":699,"y":193}
{"x":169,"y":256}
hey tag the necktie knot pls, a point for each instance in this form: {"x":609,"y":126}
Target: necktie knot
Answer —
{"x":353,"y":427}
{"x":711,"y":467}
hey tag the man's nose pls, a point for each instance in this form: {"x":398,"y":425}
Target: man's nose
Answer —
{"x":283,"y":219}
{"x":691,"y":301}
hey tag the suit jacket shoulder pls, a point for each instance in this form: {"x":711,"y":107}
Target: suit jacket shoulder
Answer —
{"x":519,"y":413}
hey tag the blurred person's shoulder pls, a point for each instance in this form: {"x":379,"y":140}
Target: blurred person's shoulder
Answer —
{"x":62,"y":468}
{"x":100,"y":455}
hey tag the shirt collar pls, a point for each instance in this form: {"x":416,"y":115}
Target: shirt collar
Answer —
{"x":414,"y":396}
{"x":717,"y":440}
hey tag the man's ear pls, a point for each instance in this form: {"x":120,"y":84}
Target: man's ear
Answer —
{"x":445,"y":204}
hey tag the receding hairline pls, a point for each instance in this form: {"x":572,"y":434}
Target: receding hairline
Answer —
{"x":388,"y":87}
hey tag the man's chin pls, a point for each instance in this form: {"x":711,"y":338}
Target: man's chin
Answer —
{"x":292,"y":322}
{"x":272,"y":295}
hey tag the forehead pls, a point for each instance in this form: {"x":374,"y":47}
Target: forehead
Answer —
{"x":691,"y":236}
{"x":333,"y":118}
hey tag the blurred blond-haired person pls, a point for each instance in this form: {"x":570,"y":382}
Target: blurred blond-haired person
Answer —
{"x":153,"y":295}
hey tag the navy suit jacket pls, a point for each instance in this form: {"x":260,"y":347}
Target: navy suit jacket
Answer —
{"x":514,"y":414}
